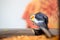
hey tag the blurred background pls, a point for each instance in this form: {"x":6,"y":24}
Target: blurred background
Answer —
{"x":11,"y":12}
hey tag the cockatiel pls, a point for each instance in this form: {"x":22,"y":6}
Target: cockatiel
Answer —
{"x":48,"y":7}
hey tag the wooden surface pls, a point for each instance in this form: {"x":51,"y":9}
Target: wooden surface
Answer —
{"x":11,"y":32}
{"x":41,"y":37}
